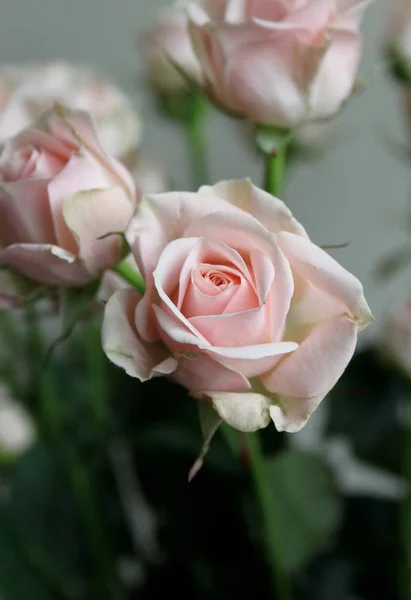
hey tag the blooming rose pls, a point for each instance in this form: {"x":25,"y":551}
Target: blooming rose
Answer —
{"x":240,"y":306}
{"x":278,"y":62}
{"x":27,"y":90}
{"x":59,"y":194}
{"x":169,"y":42}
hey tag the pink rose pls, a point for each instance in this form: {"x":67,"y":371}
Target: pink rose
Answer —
{"x":60,"y":193}
{"x":27,"y":90}
{"x":241,"y":307}
{"x":278,"y":62}
{"x":169,"y":42}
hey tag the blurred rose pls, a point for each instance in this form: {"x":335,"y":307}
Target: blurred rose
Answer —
{"x":169,"y":42}
{"x":240,"y":307}
{"x":278,"y":62}
{"x":26,"y":91}
{"x":59,"y":194}
{"x":396,"y":337}
{"x":17,"y":431}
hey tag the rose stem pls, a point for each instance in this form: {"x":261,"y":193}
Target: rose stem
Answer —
{"x":274,"y":171}
{"x":196,"y":140}
{"x":265,"y":501}
{"x":76,"y":469}
{"x":126,"y":271}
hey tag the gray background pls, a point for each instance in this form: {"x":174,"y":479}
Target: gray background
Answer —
{"x":357,"y":192}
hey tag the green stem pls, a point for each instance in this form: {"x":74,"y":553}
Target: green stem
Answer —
{"x":196,"y":141}
{"x":274,"y":171}
{"x":126,"y":271}
{"x":264,"y":498}
{"x":80,"y":478}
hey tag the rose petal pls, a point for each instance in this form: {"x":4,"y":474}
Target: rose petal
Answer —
{"x":83,"y":173}
{"x":314,"y":265}
{"x":45,"y":263}
{"x":92,"y":214}
{"x":25,"y":213}
{"x":123,"y":345}
{"x":312,"y":370}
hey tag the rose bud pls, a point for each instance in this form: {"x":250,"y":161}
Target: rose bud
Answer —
{"x":240,"y":306}
{"x":170,"y":56}
{"x":26,"y":91}
{"x":60,"y":194}
{"x":277,"y":62}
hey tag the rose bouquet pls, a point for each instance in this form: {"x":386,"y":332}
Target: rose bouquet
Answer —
{"x":149,"y":332}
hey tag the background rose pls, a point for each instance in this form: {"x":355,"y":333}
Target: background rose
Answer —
{"x":240,"y":306}
{"x":27,"y":90}
{"x":169,"y":42}
{"x":277,"y":62}
{"x":60,"y":192}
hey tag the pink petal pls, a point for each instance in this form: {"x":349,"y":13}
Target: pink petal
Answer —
{"x":315,"y":266}
{"x":45,"y":263}
{"x":92,"y":214}
{"x":336,"y":76}
{"x":311,"y":371}
{"x":82,"y":173}
{"x":161,"y":218}
{"x":25,"y":213}
{"x":203,"y":373}
{"x":124,"y":347}
{"x":267,"y":209}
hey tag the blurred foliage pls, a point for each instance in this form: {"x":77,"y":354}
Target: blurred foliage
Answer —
{"x":72,"y":527}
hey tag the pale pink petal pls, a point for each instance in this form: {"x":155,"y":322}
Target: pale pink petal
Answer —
{"x":199,"y":373}
{"x":161,"y":218}
{"x":238,"y":230}
{"x":45,"y":263}
{"x":312,"y":370}
{"x":81,"y":173}
{"x":336,"y":76}
{"x":314,"y":265}
{"x":267,"y":209}
{"x":245,"y":328}
{"x":123,"y":345}
{"x":92,"y":214}
{"x":245,"y":412}
{"x":25,"y":213}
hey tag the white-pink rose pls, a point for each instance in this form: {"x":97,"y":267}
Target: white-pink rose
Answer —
{"x":241,"y":307}
{"x":27,"y":90}
{"x":59,"y":194}
{"x":167,"y":45}
{"x":278,"y":62}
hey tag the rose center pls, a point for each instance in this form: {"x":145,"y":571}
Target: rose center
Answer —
{"x":219,"y":279}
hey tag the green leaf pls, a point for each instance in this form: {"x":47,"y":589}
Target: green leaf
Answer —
{"x":209,"y":423}
{"x":270,"y":140}
{"x":74,"y":304}
{"x":306,"y":506}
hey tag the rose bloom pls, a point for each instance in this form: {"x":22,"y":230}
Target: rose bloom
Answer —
{"x":167,"y":43}
{"x":240,"y":307}
{"x":60,"y":192}
{"x":27,"y":90}
{"x":278,"y":62}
